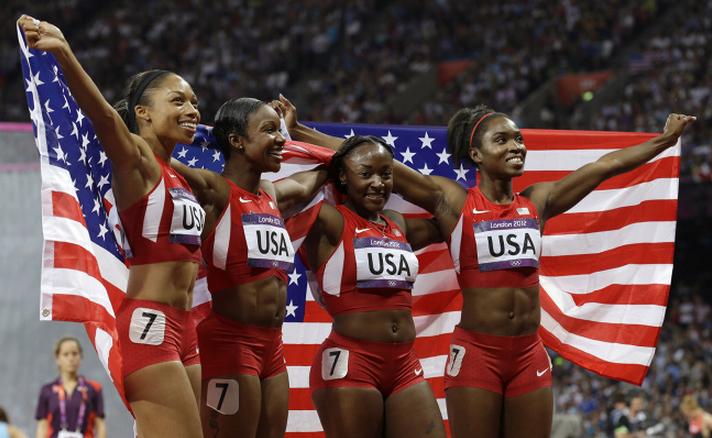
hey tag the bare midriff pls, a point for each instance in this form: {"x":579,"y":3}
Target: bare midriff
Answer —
{"x":502,"y":311}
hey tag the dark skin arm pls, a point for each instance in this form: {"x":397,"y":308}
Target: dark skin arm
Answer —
{"x":438,"y":195}
{"x":554,"y":198}
{"x":133,"y":163}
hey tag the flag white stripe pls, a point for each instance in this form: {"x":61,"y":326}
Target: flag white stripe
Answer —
{"x":607,"y":351}
{"x":435,"y":282}
{"x":436,"y":324}
{"x":602,"y":200}
{"x":628,"y":274}
{"x":637,"y":314}
{"x":556,"y":245}
{"x":77,"y":283}
{"x":565,"y":161}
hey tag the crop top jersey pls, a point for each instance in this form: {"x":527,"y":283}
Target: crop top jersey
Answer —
{"x":248,"y":243}
{"x":372,"y":268}
{"x":164,"y":225}
{"x":496,"y":245}
{"x":695,"y":426}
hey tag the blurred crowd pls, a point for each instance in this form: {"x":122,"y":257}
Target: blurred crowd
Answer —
{"x":346,"y":59}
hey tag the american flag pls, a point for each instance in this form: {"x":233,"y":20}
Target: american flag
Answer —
{"x":606,"y":265}
{"x":643,"y":61}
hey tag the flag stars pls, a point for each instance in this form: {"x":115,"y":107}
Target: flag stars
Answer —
{"x":461,"y":173}
{"x":82,"y":156}
{"x":102,"y":231}
{"x":292,"y":309}
{"x":426,"y":141}
{"x":217,"y":155}
{"x":192,"y":162}
{"x":425,"y":170}
{"x":102,"y":158}
{"x":351,"y":134}
{"x":443,"y":157}
{"x":90,"y":181}
{"x":80,"y":117}
{"x":294,"y":277}
{"x":183,"y":152}
{"x":85,"y":140}
{"x":97,"y":207}
{"x":48,"y":108}
{"x":205,"y":144}
{"x":59,"y":153}
{"x":104,"y":180}
{"x":56,"y":131}
{"x":407,"y":155}
{"x":36,"y":80}
{"x":390,"y":139}
{"x":75,"y":130}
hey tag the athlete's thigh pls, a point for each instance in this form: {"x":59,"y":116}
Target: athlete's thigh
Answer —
{"x":193,"y":372}
{"x":163,"y":401}
{"x":473,"y":412}
{"x":275,"y":406}
{"x":230,"y":406}
{"x":529,"y":414}
{"x":350,"y":412}
{"x":414,"y":412}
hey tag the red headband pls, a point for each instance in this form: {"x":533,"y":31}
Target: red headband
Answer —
{"x":476,"y":125}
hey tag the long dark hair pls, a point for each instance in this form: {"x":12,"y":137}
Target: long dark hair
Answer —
{"x":351,"y":143}
{"x":232,"y":118}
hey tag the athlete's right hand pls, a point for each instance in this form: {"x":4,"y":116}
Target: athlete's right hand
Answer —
{"x":43,"y":35}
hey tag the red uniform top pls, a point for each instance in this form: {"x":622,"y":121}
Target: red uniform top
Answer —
{"x":695,"y":426}
{"x":496,"y":245}
{"x":248,"y":243}
{"x":373,"y":268}
{"x":164,"y":225}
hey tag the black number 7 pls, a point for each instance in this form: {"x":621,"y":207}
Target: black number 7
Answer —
{"x":222,"y":386}
{"x":454,"y":358}
{"x":333,"y":365}
{"x":151,"y":317}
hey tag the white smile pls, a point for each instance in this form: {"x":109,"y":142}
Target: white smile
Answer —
{"x":191,"y":126}
{"x":515,"y":160}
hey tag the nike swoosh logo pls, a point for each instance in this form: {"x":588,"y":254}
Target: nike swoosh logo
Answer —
{"x":541,"y":373}
{"x":245,"y":201}
{"x":476,"y":211}
{"x":361,"y":230}
{"x":418,"y":372}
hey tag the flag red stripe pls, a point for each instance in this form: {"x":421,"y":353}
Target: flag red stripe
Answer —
{"x":660,"y":168}
{"x":626,"y":294}
{"x":550,"y":139}
{"x":630,"y":334}
{"x":630,"y":373}
{"x":583,"y":264}
{"x":66,"y":206}
{"x":435,"y":303}
{"x":614,"y":219}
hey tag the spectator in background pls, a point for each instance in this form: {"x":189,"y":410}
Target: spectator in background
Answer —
{"x":71,"y":406}
{"x":8,"y":430}
{"x":699,"y":421}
